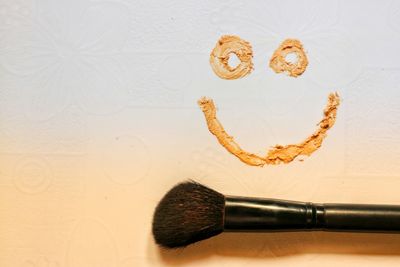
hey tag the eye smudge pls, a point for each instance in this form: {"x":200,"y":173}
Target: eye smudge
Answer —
{"x":219,"y":57}
{"x":278,"y":154}
{"x":279,"y":62}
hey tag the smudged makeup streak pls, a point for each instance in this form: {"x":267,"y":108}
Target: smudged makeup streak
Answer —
{"x":278,"y":154}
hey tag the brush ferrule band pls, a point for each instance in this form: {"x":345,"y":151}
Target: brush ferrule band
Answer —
{"x":263,"y":214}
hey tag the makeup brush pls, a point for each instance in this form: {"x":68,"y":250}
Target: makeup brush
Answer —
{"x":191,"y":212}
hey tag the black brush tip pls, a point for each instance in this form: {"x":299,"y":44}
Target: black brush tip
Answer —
{"x":188,"y":213}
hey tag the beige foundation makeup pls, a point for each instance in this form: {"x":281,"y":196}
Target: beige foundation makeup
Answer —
{"x":225,"y":47}
{"x":279,"y":63}
{"x":279,"y":153}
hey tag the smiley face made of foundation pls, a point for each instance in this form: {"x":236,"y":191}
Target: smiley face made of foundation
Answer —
{"x":242,"y":49}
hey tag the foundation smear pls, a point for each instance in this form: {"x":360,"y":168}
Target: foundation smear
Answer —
{"x":219,"y":57}
{"x":277,"y":154}
{"x":279,"y":62}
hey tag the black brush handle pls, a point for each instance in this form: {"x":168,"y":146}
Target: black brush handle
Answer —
{"x":258,"y":214}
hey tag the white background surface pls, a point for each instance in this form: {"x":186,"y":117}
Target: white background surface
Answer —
{"x":98,"y":119}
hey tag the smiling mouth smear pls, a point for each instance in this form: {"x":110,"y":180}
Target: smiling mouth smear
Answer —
{"x":278,"y":154}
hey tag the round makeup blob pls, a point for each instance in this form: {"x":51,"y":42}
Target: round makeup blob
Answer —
{"x":280,"y":63}
{"x":225,"y":47}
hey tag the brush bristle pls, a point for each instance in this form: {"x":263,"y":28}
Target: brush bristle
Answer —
{"x":188,"y":213}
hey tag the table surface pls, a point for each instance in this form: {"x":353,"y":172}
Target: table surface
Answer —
{"x":99,"y":118}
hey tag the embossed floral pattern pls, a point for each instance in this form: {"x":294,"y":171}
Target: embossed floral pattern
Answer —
{"x":66,"y":52}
